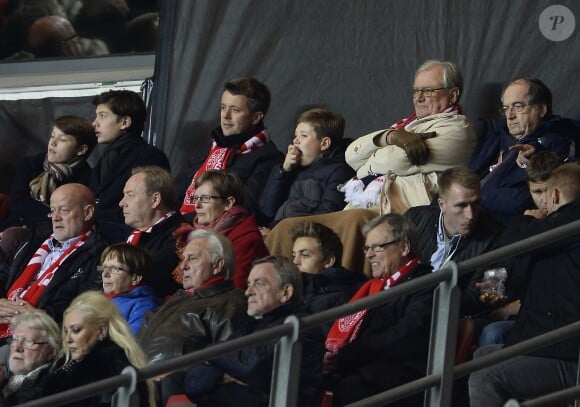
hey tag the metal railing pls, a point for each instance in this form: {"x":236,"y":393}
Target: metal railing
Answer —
{"x":440,"y":372}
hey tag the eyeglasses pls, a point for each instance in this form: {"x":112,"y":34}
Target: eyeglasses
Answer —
{"x":25,"y":343}
{"x":427,"y":92}
{"x":379,"y":247}
{"x":518,"y":108}
{"x":111,"y":269}
{"x":204,"y":198}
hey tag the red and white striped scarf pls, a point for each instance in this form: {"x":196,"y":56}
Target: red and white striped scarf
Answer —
{"x":135,"y":235}
{"x":29,"y":289}
{"x":217,"y":159}
{"x":346,"y":329}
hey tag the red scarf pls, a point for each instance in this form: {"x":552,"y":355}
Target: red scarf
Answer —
{"x":401,"y":124}
{"x":30,"y":291}
{"x":135,"y":235}
{"x":345,"y":329}
{"x":224,"y":224}
{"x":209,"y":282}
{"x":217,"y":159}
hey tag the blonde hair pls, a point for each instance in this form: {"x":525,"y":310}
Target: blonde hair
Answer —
{"x":97,"y":310}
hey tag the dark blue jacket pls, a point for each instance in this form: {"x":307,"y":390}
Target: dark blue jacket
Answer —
{"x":135,"y":303}
{"x":306,"y":190}
{"x":505,"y":190}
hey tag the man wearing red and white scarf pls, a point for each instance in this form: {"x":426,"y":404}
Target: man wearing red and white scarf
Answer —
{"x":241,"y":143}
{"x":150,"y":207}
{"x":380,"y":348}
{"x":415,"y":149}
{"x":47,"y":273}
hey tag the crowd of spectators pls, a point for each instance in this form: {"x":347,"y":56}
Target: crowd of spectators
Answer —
{"x":136,"y":271}
{"x":31,"y":29}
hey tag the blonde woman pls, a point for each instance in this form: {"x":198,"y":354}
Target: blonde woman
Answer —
{"x":97,"y":344}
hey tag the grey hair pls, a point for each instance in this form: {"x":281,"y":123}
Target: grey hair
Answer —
{"x":219,"y":247}
{"x":43,"y":322}
{"x":452,"y":77}
{"x":399,"y":227}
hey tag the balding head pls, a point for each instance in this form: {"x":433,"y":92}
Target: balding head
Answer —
{"x":46,"y":35}
{"x":72,"y":208}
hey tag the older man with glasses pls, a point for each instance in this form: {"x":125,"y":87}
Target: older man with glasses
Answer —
{"x":413,"y":150}
{"x":34,"y":344}
{"x":529,"y":126}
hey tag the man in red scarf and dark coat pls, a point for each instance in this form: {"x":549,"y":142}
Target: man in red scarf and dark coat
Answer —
{"x":377,"y":349}
{"x":241,"y":144}
{"x":47,"y":273}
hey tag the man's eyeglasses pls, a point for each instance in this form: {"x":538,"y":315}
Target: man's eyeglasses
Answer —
{"x":204,"y":198}
{"x":518,"y":108}
{"x":379,"y":247}
{"x":25,"y":343}
{"x":110,"y":269}
{"x":427,"y":92}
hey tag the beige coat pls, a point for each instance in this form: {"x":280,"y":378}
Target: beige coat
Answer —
{"x":453,"y":145}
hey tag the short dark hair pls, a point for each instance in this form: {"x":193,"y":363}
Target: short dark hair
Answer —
{"x":80,"y":128}
{"x":257,"y":93}
{"x":462,"y":176}
{"x":538,"y":93}
{"x":137,"y":259}
{"x":225,"y":183}
{"x":324,"y":123}
{"x":541,"y":165}
{"x":125,"y":103}
{"x":329,"y":241}
{"x":158,"y":179}
{"x":287,"y":273}
{"x":399,"y":227}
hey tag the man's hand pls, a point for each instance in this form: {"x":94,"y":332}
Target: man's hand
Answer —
{"x":536,"y":213}
{"x":9,"y":308}
{"x":504,"y":312}
{"x":413,"y":143}
{"x":525,"y":151}
{"x":292,"y":158}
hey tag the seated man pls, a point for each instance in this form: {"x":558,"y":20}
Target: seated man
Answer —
{"x":527,"y":107}
{"x":411,"y":152}
{"x":306,"y":182}
{"x":458,"y":230}
{"x":241,"y":143}
{"x":47,"y":273}
{"x":376,"y":349}
{"x":317,"y":253}
{"x":274,"y":293}
{"x":206,"y":311}
{"x":207,"y":308}
{"x":119,"y":122}
{"x":34,"y":345}
{"x":149,"y":206}
{"x":551,"y":301}
{"x":538,"y":171}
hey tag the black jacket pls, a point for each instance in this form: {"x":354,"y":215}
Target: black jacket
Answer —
{"x":105,"y":360}
{"x":306,"y":190}
{"x":331,"y":287}
{"x":78,"y":273}
{"x":160,"y":243}
{"x":114,"y":169}
{"x":397,"y":331}
{"x":24,"y":210}
{"x":482,"y":240}
{"x":551,"y":298}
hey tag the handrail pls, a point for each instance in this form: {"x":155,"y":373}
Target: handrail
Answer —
{"x":308,"y":322}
